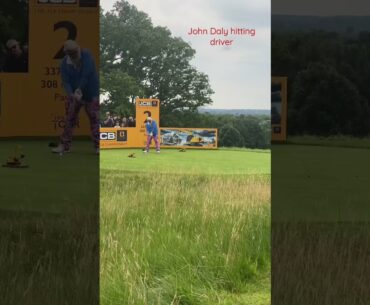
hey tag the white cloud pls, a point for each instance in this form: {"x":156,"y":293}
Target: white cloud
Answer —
{"x":239,"y":74}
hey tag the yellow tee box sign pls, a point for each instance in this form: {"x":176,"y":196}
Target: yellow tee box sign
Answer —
{"x":135,"y":137}
{"x":279,"y":109}
{"x":33,"y":103}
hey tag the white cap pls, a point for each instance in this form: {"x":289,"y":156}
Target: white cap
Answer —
{"x":71,"y":45}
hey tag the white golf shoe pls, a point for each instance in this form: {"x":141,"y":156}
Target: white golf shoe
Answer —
{"x":60,"y":149}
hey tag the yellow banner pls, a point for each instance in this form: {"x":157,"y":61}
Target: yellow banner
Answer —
{"x":32,"y":103}
{"x":145,"y":108}
{"x":117,"y":137}
{"x":136,"y":137}
{"x":279,"y":108}
{"x":130,"y":137}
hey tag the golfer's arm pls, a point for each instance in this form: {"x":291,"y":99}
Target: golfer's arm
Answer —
{"x":65,"y":80}
{"x":87,"y":68}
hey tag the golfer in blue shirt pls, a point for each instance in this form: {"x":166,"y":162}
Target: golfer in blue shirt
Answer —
{"x":81,"y":83}
{"x":152,"y":134}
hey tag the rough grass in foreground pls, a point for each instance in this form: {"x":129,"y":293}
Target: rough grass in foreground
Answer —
{"x":48,"y":259}
{"x":321,"y":263}
{"x":184,"y":239}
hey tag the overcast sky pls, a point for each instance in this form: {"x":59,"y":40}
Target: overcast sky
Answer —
{"x":321,"y":7}
{"x":239,"y":74}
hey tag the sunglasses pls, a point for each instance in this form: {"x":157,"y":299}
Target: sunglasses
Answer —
{"x":71,"y":53}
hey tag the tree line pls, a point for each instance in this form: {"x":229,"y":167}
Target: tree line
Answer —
{"x":140,"y":59}
{"x":328,"y":81}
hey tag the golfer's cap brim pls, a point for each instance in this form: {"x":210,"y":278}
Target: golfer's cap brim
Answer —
{"x":70,"y":46}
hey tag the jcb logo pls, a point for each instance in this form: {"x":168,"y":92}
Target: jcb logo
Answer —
{"x":122,"y":136}
{"x":107,"y":136}
{"x":149,"y":103}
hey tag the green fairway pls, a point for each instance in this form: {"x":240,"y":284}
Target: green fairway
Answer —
{"x":320,"y":183}
{"x":220,"y":162}
{"x":52,"y":183}
{"x":185,"y":227}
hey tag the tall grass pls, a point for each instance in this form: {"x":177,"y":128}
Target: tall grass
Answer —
{"x":182,"y":239}
{"x":48,"y":259}
{"x":321,"y":263}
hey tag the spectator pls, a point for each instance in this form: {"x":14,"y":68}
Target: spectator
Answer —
{"x":108,"y":122}
{"x":124,"y":122}
{"x":16,"y":60}
{"x":131,"y":122}
{"x":117,"y":120}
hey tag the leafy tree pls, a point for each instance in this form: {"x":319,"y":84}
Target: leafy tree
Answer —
{"x":252,"y":131}
{"x":119,"y":86}
{"x":230,"y":136}
{"x":158,"y":62}
{"x":324,"y":102}
{"x":329,"y":75}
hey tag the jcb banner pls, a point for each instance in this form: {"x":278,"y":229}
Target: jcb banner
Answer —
{"x":32,"y":98}
{"x":136,"y":137}
{"x":115,"y":137}
{"x":189,"y":137}
{"x":169,"y":137}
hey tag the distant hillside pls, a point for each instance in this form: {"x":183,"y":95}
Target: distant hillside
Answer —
{"x":255,"y":112}
{"x":340,"y":24}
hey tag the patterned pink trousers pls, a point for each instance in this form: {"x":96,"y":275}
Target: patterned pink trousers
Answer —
{"x":73,"y":108}
{"x":149,"y":141}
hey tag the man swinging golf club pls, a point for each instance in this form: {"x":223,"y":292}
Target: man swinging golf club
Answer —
{"x":152,"y":134}
{"x":80,"y":81}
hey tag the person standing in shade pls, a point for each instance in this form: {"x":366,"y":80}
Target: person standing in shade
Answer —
{"x":108,"y":122}
{"x":131,"y":122}
{"x":80,"y":81}
{"x":152,"y":134}
{"x":17,"y":60}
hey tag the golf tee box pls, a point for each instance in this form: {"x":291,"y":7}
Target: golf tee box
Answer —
{"x":169,"y":137}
